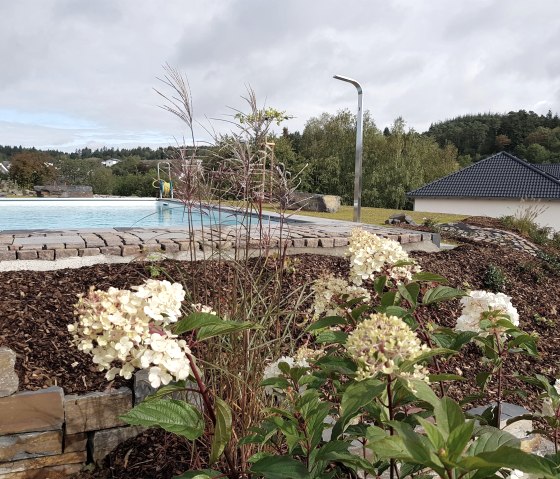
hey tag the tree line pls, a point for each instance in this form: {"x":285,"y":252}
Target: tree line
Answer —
{"x":320,"y":159}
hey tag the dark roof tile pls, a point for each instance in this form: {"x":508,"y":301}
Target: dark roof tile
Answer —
{"x":498,"y":176}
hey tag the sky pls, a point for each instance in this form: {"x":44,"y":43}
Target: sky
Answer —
{"x":82,"y":73}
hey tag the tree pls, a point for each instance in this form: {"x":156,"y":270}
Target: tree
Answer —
{"x":30,"y":168}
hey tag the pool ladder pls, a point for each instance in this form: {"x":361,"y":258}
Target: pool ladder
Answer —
{"x":165,"y":187}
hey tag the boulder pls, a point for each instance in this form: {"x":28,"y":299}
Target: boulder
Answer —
{"x":313,"y":202}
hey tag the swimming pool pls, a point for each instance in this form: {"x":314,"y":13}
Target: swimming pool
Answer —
{"x":81,"y":213}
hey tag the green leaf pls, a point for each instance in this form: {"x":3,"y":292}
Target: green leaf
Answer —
{"x":432,"y":432}
{"x":448,"y":416}
{"x":222,"y":429}
{"x":379,"y":284}
{"x":394,"y":311}
{"x":331,"y":337}
{"x":209,"y":325}
{"x":204,"y":474}
{"x":388,"y":299}
{"x":326,"y":322}
{"x":458,"y":439}
{"x":166,"y":390}
{"x":491,"y":439}
{"x":441,"y":293}
{"x":409,"y":292}
{"x":427,"y":277}
{"x":178,"y":417}
{"x":280,"y":467}
{"x":482,"y":379}
{"x":434,"y":378}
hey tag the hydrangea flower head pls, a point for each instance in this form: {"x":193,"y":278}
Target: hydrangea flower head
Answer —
{"x":331,"y":292}
{"x":381,"y":343}
{"x":272,"y":370}
{"x":479,"y":302}
{"x":370,"y":254}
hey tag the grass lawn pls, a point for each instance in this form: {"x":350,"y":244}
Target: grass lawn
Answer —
{"x":377,"y":216}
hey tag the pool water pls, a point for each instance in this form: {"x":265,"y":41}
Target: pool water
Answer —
{"x":70,"y":213}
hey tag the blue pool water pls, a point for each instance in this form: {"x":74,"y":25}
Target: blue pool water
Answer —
{"x":70,"y":213}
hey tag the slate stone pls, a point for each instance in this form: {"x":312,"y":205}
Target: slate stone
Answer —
{"x":9,"y":381}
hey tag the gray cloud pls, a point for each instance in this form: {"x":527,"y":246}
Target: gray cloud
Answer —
{"x":96,"y":63}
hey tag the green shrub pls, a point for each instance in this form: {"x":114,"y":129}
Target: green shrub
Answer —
{"x":494,"y":279}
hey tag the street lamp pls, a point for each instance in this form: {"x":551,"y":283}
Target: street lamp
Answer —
{"x":359,"y":150}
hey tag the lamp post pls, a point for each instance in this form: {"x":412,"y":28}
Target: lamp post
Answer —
{"x":359,"y":150}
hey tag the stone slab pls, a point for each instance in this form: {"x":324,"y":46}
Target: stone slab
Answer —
{"x":112,"y":250}
{"x":104,"y":442}
{"x":98,"y":410}
{"x":9,"y":381}
{"x":89,"y":251}
{"x":26,"y":254}
{"x":130,"y":249}
{"x":30,"y":466}
{"x":66,"y":253}
{"x":31,"y":411}
{"x":29,"y":445}
{"x":7,"y":255}
{"x":46,"y":254}
{"x":50,"y":472}
{"x":75,"y":442}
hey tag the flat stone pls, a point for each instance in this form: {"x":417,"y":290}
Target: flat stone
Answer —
{"x":151,"y":247}
{"x":75,"y":442}
{"x":50,"y":472}
{"x":340,"y":241}
{"x":97,"y":410}
{"x":170,"y":247}
{"x":299,"y":242}
{"x":104,"y":442}
{"x":9,"y":381}
{"x":32,"y":411}
{"x":46,"y":254}
{"x":326,"y":242}
{"x":28,"y":468}
{"x":312,"y":242}
{"x":28,"y":445}
{"x":66,"y":253}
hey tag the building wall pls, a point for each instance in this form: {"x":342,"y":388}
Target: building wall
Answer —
{"x":549,"y":211}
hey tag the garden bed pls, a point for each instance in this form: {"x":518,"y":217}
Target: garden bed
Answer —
{"x":36,"y":307}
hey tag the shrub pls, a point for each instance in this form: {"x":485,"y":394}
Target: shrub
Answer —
{"x":494,"y":279}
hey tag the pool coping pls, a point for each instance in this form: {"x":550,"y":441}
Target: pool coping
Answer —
{"x":55,"y":249}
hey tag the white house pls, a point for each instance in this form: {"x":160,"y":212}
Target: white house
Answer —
{"x":111,"y":162}
{"x":499,"y":185}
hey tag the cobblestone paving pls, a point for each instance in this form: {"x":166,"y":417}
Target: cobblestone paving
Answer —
{"x":491,"y":235}
{"x":52,"y":245}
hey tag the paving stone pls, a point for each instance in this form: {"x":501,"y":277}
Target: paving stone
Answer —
{"x":28,"y":445}
{"x":104,"y":442}
{"x":94,"y":242}
{"x":224,"y":245}
{"x":7,"y":255}
{"x":415,"y":238}
{"x":39,"y":467}
{"x":14,"y":247}
{"x":151,"y":247}
{"x":312,"y":242}
{"x":299,"y":242}
{"x":66,"y":253}
{"x":97,"y":410}
{"x":111,"y":240}
{"x":111,"y":250}
{"x":46,"y":254}
{"x":9,"y":381}
{"x":130,"y":249}
{"x":170,"y":247}
{"x":326,"y":242}
{"x":27,"y":254}
{"x":32,"y":411}
{"x":404,"y":238}
{"x":89,"y":251}
{"x":340,"y":241}
{"x":34,"y":246}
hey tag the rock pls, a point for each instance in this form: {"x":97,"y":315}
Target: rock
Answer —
{"x":401,"y":218}
{"x":104,"y":442}
{"x":313,"y":202}
{"x":9,"y":381}
{"x":519,"y":429}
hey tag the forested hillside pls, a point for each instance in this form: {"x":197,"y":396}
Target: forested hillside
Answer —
{"x":535,"y":138}
{"x":320,"y":159}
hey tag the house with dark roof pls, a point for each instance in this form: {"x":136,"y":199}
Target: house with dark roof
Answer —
{"x":499,"y":185}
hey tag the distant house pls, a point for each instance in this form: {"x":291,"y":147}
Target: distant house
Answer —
{"x":496,"y":186}
{"x":111,"y":162}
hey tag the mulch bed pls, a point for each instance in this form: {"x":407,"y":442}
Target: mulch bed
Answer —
{"x":36,"y":307}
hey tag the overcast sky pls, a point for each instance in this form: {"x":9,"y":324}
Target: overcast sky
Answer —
{"x":76,"y":73}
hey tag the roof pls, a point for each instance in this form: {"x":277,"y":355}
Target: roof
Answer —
{"x":499,"y":176}
{"x":552,"y":169}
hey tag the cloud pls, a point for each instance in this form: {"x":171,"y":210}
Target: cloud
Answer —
{"x":96,"y":63}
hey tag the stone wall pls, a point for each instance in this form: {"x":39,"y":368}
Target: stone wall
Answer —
{"x":49,"y":434}
{"x":313,"y":202}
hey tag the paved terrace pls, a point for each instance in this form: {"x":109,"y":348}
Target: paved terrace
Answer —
{"x":304,"y":235}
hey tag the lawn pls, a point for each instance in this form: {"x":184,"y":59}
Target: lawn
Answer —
{"x":377,"y":216}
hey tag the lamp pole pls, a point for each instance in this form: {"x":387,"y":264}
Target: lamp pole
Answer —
{"x":359,"y":150}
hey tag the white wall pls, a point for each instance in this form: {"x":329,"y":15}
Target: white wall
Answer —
{"x":549,"y":210}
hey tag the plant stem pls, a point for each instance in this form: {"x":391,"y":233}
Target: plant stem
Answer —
{"x":500,"y":374}
{"x":393,"y":465}
{"x":210,"y":410}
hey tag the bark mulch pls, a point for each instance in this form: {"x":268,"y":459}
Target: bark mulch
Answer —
{"x":36,"y":307}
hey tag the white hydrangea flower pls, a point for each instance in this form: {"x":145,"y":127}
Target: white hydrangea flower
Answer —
{"x":479,"y":302}
{"x":370,"y":254}
{"x":129,"y":327}
{"x":330,"y":292}
{"x":272,"y":370}
{"x":202,"y":308}
{"x":306,"y":354}
{"x":381,"y":343}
